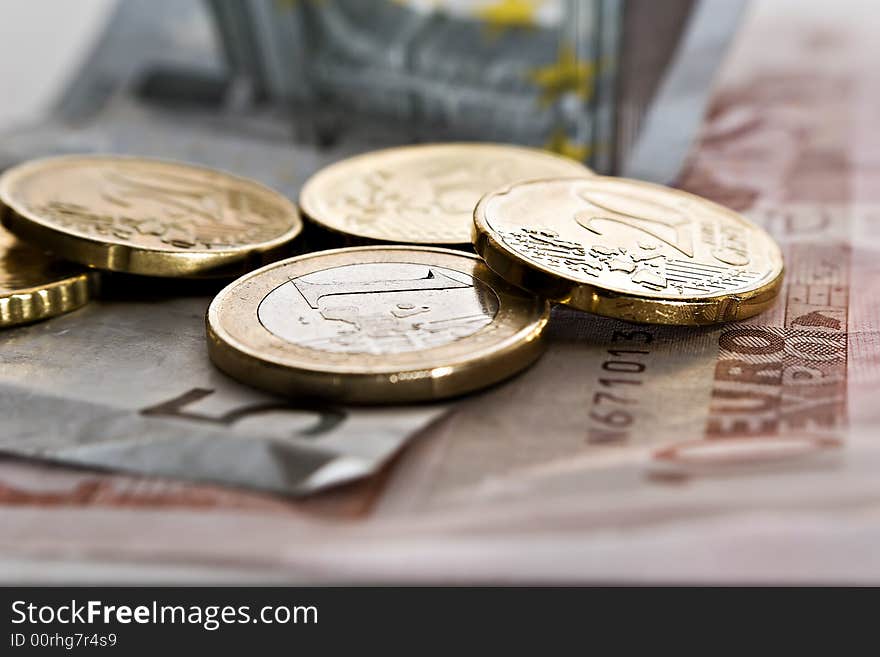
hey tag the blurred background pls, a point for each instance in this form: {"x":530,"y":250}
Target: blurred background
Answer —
{"x":621,"y":85}
{"x":42,"y":43}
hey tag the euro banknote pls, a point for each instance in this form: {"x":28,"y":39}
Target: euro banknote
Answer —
{"x":742,"y":453}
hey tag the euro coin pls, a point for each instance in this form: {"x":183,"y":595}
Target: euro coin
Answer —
{"x":149,"y":217}
{"x":422,"y":194}
{"x":35,"y":285}
{"x":374,"y":324}
{"x":629,"y":249}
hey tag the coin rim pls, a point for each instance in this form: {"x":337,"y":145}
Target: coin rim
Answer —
{"x":594,"y":298}
{"x":386,"y":384}
{"x":309,"y":206}
{"x":39,"y":302}
{"x":133,"y":259}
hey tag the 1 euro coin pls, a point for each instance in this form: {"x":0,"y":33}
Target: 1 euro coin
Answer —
{"x":374,"y":324}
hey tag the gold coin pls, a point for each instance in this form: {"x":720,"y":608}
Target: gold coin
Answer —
{"x":422,"y":194}
{"x":629,"y":249}
{"x":142,"y":216}
{"x":35,"y":285}
{"x":374,"y":324}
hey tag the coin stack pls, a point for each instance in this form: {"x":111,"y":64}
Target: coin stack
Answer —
{"x":409,"y":314}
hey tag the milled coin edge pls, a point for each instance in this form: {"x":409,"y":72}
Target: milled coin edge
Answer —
{"x":38,"y":303}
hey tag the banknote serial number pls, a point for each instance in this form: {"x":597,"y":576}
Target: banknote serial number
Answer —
{"x":614,"y":401}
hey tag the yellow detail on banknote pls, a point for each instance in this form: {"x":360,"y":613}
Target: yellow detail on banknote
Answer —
{"x":569,"y":74}
{"x":560,"y":143}
{"x":506,"y":14}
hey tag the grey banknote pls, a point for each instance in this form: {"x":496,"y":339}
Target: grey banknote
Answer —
{"x":126,"y":384}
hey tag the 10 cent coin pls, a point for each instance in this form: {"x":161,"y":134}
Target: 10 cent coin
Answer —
{"x":143,"y":216}
{"x":423,"y":194}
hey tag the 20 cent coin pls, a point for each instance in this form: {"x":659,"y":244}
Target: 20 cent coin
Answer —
{"x":629,"y":249}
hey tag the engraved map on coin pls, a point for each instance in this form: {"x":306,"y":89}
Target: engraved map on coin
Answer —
{"x":423,"y":194}
{"x":378,"y":308}
{"x":150,"y":204}
{"x":632,"y":237}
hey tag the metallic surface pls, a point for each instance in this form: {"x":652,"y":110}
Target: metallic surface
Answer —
{"x":629,"y":249}
{"x":142,"y":216}
{"x":421,"y":194}
{"x":35,"y":285}
{"x":375,"y":324}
